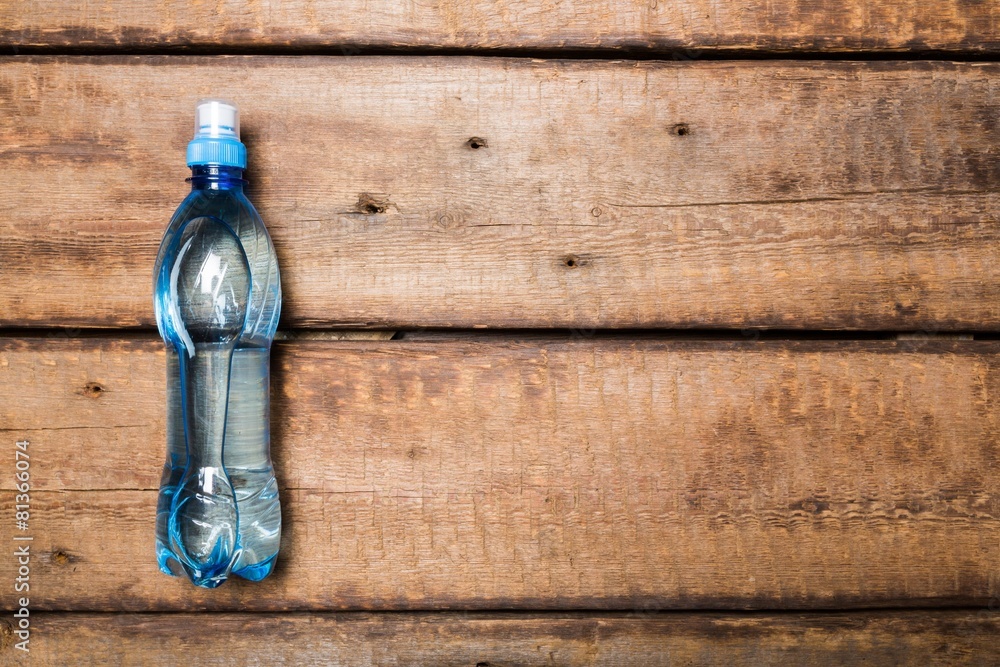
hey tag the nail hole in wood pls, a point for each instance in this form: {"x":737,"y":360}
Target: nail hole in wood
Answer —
{"x":475,"y":143}
{"x":93,"y":390}
{"x":60,"y":557}
{"x":681,"y":129}
{"x":372,"y":205}
{"x":6,"y":634}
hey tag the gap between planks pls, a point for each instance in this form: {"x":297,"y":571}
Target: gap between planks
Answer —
{"x":636,"y":54}
{"x":485,"y":335}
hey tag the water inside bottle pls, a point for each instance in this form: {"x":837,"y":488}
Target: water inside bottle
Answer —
{"x":246,"y":457}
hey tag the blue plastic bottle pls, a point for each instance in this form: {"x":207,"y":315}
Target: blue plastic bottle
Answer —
{"x":217,"y":296}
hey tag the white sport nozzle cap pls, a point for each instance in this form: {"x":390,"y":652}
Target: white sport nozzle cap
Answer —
{"x":217,"y":118}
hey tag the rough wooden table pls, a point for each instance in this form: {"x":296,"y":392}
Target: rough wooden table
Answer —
{"x":615,"y":333}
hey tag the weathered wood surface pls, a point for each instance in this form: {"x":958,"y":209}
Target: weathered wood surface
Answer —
{"x":602,"y":194}
{"x":463,"y":640}
{"x":579,"y":474}
{"x":809,"y":25}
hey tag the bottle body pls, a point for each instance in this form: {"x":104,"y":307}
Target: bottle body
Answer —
{"x":218,"y":511}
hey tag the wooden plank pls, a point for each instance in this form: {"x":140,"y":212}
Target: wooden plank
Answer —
{"x":604,"y":194}
{"x":462,"y":640}
{"x":586,"y":474}
{"x":798,"y":25}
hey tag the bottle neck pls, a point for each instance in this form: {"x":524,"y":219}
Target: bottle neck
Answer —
{"x":215,"y":177}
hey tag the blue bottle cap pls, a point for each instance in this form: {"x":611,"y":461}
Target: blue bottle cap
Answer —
{"x":217,"y":135}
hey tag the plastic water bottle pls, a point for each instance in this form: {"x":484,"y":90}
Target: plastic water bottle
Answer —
{"x":217,"y":296}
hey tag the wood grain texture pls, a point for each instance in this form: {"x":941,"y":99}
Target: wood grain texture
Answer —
{"x":603,"y":194}
{"x":512,"y":640}
{"x":809,"y":25}
{"x":574,"y":474}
